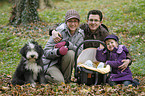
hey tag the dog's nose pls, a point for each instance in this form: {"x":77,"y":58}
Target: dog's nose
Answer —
{"x":32,"y":56}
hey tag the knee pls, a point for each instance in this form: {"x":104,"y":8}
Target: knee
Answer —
{"x":70,"y":54}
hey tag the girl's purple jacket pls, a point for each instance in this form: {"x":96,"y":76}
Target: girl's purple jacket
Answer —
{"x":114,"y":60}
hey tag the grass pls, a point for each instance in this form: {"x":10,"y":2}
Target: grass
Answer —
{"x":5,"y":13}
{"x":124,"y":18}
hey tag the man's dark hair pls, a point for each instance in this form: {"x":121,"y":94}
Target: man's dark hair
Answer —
{"x":95,"y":12}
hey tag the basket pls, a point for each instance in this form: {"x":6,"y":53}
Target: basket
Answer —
{"x":85,"y":74}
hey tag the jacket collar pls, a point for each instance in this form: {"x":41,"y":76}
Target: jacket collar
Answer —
{"x":118,"y":50}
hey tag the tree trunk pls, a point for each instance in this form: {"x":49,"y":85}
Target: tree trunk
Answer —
{"x":49,"y":3}
{"x":24,"y":11}
{"x":45,"y":3}
{"x":42,"y":4}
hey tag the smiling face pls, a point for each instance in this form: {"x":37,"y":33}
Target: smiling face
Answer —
{"x":72,"y":24}
{"x":94,"y":22}
{"x":111,"y":43}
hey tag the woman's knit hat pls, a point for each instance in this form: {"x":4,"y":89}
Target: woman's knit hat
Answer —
{"x":112,"y":37}
{"x":72,"y":14}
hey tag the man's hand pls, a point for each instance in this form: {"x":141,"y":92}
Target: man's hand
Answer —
{"x":124,"y":65}
{"x":56,"y":36}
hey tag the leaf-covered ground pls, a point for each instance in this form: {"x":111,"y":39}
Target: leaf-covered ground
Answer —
{"x":70,"y":89}
{"x":123,"y":17}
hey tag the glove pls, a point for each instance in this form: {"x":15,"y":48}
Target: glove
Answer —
{"x":62,"y":51}
{"x":60,"y":44}
{"x":104,"y":70}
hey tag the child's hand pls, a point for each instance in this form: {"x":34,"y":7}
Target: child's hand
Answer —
{"x":124,"y":65}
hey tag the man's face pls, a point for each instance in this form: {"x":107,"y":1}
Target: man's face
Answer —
{"x":94,"y":22}
{"x":73,"y":24}
{"x":111,"y":43}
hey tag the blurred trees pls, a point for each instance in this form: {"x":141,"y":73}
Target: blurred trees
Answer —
{"x":25,"y":11}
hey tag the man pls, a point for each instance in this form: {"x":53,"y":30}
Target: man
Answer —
{"x":94,"y":29}
{"x":59,"y":57}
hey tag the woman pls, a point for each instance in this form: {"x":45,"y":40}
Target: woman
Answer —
{"x":60,"y":56}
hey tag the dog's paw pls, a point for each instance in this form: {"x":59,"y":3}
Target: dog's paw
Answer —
{"x":33,"y":84}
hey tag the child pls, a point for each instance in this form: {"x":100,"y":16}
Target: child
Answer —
{"x":116,"y":53}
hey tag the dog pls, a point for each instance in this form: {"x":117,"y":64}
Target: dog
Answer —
{"x":30,"y":69}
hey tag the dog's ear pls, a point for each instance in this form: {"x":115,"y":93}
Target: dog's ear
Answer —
{"x":34,"y":42}
{"x":41,"y":50}
{"x":23,"y":51}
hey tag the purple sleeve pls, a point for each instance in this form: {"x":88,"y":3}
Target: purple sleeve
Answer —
{"x":116,"y":63}
{"x":122,"y":48}
{"x":125,"y":50}
{"x":100,"y":55}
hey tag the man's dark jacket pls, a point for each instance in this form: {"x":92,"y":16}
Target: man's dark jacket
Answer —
{"x":99,"y":34}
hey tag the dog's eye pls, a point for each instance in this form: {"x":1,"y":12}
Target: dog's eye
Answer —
{"x":29,"y":48}
{"x":37,"y":47}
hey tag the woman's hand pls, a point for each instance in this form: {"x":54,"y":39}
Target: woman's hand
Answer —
{"x":56,"y":36}
{"x":125,"y":64}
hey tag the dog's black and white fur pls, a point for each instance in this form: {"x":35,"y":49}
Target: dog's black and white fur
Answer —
{"x":30,"y":68}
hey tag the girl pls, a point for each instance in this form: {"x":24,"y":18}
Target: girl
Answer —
{"x":116,"y":53}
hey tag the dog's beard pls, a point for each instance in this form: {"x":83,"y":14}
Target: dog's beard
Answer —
{"x":34,"y":67}
{"x":32,"y":60}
